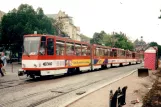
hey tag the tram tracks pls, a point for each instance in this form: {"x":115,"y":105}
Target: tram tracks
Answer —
{"x":47,"y":95}
{"x":41,"y":97}
{"x":11,"y":83}
{"x":70,"y":90}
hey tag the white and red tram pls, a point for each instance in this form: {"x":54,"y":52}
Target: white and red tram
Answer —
{"x":53,"y":55}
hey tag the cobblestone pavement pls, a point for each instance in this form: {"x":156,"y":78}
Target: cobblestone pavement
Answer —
{"x":54,"y":92}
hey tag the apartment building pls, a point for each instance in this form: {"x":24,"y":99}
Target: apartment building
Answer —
{"x":67,"y":25}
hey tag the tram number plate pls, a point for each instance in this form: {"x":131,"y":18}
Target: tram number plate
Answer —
{"x":47,"y":63}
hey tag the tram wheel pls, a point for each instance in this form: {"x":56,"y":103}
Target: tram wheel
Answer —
{"x":32,"y":76}
{"x":121,"y":65}
{"x":112,"y":66}
{"x":70,"y":71}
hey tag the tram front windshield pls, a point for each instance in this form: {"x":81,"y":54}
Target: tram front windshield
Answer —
{"x":31,"y":45}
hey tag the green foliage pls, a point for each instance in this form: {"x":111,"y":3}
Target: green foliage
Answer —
{"x":156,"y":44}
{"x":153,"y":44}
{"x":118,"y":40}
{"x":98,"y":38}
{"x":85,"y":38}
{"x":122,"y":41}
{"x":23,"y":21}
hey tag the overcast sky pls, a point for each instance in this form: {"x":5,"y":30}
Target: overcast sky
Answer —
{"x":136,"y":18}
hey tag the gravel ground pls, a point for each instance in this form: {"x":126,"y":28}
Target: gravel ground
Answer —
{"x":153,"y":97}
{"x":137,"y":88}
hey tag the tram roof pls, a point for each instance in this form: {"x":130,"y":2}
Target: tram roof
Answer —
{"x":58,"y":38}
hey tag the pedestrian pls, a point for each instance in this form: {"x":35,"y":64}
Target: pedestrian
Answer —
{"x":3,"y":58}
{"x":1,"y":65}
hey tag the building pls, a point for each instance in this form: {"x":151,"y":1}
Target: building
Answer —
{"x":140,"y":45}
{"x":66,"y":24}
{"x":1,"y":15}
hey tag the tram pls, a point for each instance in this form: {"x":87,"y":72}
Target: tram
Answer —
{"x":53,"y":55}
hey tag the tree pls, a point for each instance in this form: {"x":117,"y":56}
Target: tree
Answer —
{"x":23,"y":21}
{"x":122,"y":41}
{"x":85,"y":38}
{"x":98,"y":38}
{"x":153,"y":44}
{"x":109,"y":40}
{"x":117,"y":40}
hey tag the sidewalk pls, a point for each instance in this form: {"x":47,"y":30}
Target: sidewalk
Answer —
{"x":137,"y":88}
{"x":11,"y":74}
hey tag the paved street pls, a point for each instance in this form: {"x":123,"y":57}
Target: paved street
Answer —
{"x":24,"y":92}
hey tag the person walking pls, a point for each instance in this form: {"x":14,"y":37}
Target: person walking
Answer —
{"x":3,"y":58}
{"x":1,"y":65}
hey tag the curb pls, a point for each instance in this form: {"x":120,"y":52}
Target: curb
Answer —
{"x":93,"y":90}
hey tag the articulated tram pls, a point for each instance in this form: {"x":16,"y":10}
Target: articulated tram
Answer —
{"x":52,"y":55}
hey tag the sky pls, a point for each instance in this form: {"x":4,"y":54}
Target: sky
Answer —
{"x":136,"y":18}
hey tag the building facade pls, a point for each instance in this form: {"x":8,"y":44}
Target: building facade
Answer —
{"x":140,"y":45}
{"x":1,"y":15}
{"x":67,"y":25}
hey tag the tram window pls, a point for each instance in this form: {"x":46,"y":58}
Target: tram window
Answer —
{"x":78,"y":49}
{"x":101,"y":52}
{"x":42,"y":46}
{"x":130,"y":55}
{"x":111,"y":53}
{"x":50,"y":46}
{"x":123,"y":53}
{"x":84,"y":50}
{"x":127,"y":54}
{"x":97,"y":51}
{"x":105,"y":52}
{"x":70,"y":49}
{"x":60,"y":47}
{"x":118,"y":53}
{"x":133,"y":55}
{"x":115,"y":53}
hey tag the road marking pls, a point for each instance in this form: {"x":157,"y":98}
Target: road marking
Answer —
{"x":93,"y":90}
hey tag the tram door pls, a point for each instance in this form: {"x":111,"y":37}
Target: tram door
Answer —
{"x":50,"y":46}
